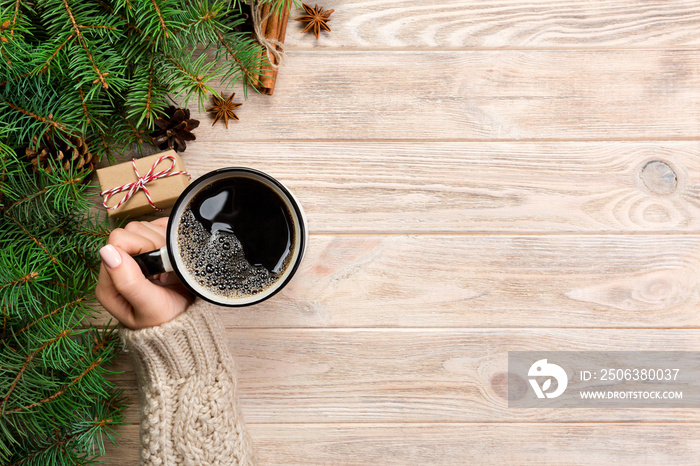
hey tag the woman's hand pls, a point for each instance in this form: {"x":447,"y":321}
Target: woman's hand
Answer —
{"x":122,"y":289}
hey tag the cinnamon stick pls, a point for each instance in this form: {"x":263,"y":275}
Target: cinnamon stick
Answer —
{"x":265,"y":10}
{"x":271,"y":27}
{"x":265,"y":17}
{"x":283,"y":22}
{"x":270,"y":31}
{"x":279,"y":33}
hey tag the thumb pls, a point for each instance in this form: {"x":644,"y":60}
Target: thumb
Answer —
{"x":127,"y":277}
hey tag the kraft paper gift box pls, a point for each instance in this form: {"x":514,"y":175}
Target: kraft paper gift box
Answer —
{"x":163,"y":191}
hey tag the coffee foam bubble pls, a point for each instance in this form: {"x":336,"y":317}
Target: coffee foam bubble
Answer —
{"x":217,"y":263}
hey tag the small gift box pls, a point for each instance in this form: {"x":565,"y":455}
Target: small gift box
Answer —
{"x":141,"y":186}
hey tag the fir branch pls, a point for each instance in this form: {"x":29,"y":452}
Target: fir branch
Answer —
{"x":58,"y":393}
{"x":107,"y":336}
{"x":45,"y":316}
{"x":27,"y":198}
{"x":124,"y":19}
{"x":99,"y":344}
{"x":87,"y":263}
{"x":29,"y":358}
{"x":110,"y":10}
{"x":105,"y":145}
{"x":197,"y":80}
{"x":55,"y":53}
{"x":250,"y":77}
{"x":20,"y":281}
{"x":32,"y":237}
{"x":47,"y":121}
{"x":84,"y":105}
{"x":248,"y":60}
{"x":188,"y":75}
{"x":81,"y":38}
{"x":59,"y":443}
{"x":106,"y":414}
{"x":128,"y":57}
{"x":2,"y":83}
{"x":140,"y":135}
{"x":160,"y":18}
{"x":41,"y":192}
{"x":54,"y":382}
{"x":148,"y":96}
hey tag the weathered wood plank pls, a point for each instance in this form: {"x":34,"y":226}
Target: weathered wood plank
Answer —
{"x":518,"y":23}
{"x":483,"y":95}
{"x":427,"y":187}
{"x":412,"y":375}
{"x":497,"y":281}
{"x":442,"y":444}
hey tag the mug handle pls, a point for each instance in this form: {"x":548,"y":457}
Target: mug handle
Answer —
{"x":154,"y":262}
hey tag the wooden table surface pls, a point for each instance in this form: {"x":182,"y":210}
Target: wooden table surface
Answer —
{"x":479,"y":177}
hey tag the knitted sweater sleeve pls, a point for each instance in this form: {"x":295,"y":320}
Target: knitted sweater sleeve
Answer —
{"x":187,"y":385}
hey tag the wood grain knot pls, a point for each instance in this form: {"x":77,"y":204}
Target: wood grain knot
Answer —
{"x":502,"y":382}
{"x":659,"y":177}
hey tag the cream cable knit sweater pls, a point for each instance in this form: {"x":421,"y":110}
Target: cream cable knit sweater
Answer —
{"x":187,"y":384}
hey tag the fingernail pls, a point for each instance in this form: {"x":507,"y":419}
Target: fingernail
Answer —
{"x":110,"y":256}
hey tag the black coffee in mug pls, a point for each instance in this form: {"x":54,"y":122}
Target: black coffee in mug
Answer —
{"x":236,"y":237}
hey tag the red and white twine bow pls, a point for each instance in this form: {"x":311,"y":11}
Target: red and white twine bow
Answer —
{"x":141,"y":183}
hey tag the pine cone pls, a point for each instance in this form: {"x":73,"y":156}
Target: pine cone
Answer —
{"x":175,"y":128}
{"x":73,"y":152}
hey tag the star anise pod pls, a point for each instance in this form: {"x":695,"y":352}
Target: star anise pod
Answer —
{"x":224,"y":109}
{"x":175,"y":127}
{"x":316,"y":18}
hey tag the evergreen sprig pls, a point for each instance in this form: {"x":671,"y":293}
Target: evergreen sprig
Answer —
{"x":107,"y":69}
{"x":103,"y":70}
{"x":56,"y":407}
